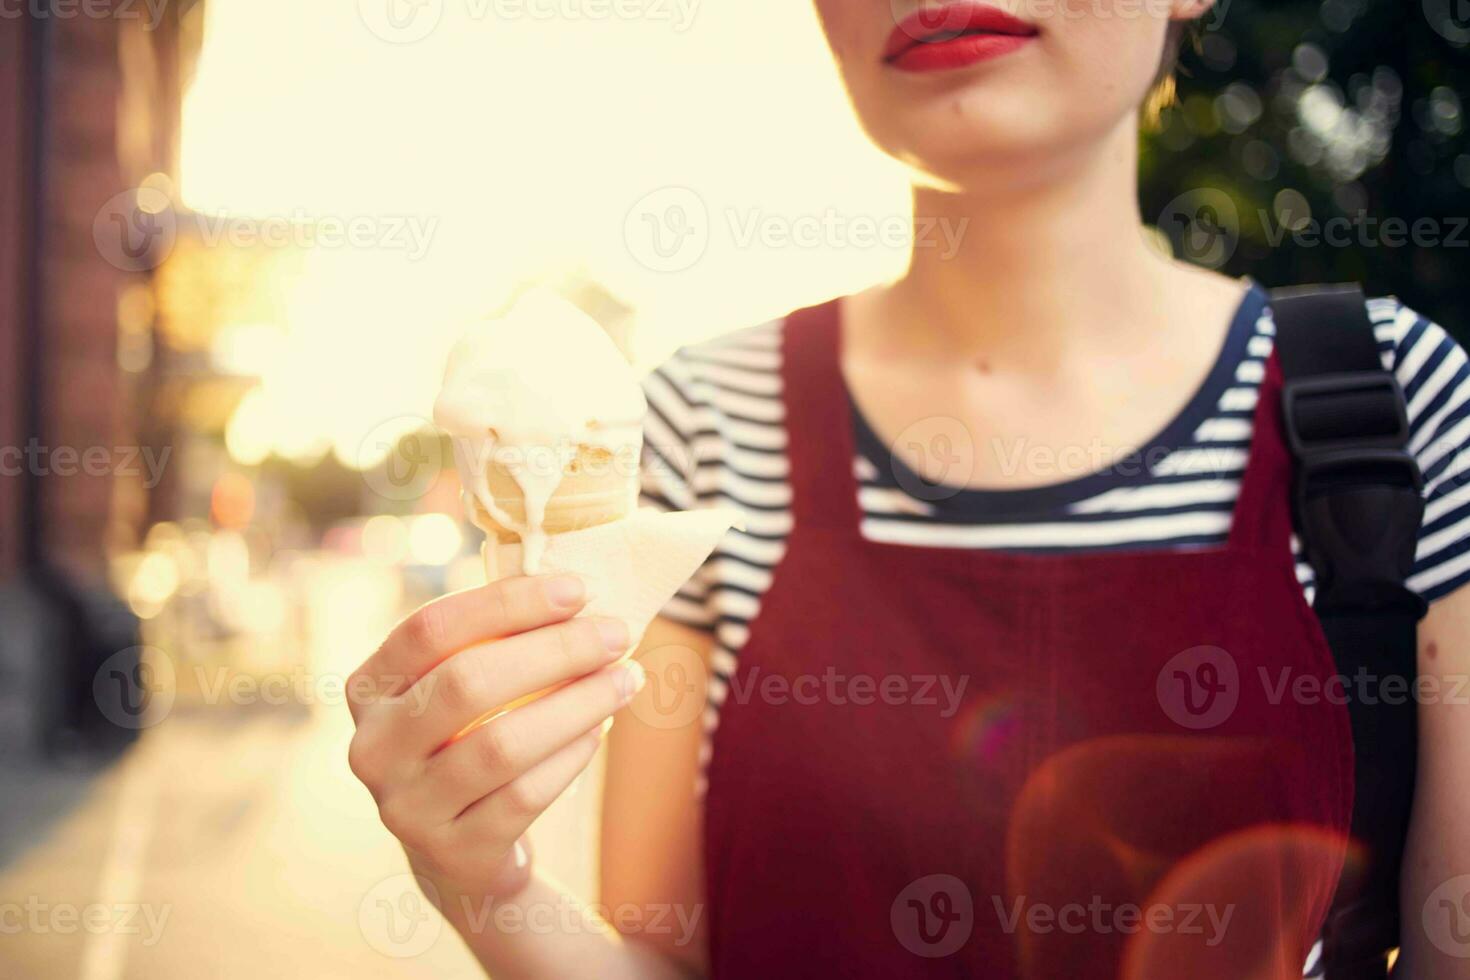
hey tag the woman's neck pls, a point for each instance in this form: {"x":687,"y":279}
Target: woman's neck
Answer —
{"x":1040,"y":259}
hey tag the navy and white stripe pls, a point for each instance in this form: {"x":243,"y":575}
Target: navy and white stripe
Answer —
{"x":715,"y":436}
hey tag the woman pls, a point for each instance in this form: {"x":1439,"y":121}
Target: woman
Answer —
{"x":989,"y":505}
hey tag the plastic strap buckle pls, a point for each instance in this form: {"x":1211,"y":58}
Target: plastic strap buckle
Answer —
{"x":1309,"y":402}
{"x":1358,"y":497}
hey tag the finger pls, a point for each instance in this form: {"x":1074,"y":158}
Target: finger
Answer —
{"x":509,"y":746}
{"x":506,"y":814}
{"x":453,"y":622}
{"x":476,"y":683}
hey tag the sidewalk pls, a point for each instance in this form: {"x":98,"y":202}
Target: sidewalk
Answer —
{"x":233,"y":844}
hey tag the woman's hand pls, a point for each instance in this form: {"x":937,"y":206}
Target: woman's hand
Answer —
{"x":460,"y":800}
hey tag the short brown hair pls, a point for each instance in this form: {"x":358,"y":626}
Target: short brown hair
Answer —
{"x":1165,"y":91}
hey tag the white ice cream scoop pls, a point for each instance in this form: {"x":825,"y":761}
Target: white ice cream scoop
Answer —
{"x":546,"y":419}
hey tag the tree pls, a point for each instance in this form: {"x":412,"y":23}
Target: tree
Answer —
{"x":1323,"y":141}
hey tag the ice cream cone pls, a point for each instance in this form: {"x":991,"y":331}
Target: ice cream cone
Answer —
{"x":596,"y":487}
{"x":546,"y":417}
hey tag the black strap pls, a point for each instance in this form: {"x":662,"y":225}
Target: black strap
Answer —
{"x":1358,"y":507}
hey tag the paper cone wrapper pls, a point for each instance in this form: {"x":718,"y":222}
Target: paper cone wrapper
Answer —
{"x":633,"y":566}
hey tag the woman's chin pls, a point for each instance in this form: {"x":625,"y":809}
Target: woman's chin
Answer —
{"x":961,"y":160}
{"x":955,"y":143}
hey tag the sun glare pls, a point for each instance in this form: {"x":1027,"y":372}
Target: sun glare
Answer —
{"x":500,"y":148}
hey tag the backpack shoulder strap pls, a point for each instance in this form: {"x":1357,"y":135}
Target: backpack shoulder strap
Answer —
{"x":1358,"y":503}
{"x":1324,"y":330}
{"x":1357,"y":508}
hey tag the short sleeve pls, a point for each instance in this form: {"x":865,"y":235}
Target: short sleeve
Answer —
{"x":1435,"y":375}
{"x":670,"y":438}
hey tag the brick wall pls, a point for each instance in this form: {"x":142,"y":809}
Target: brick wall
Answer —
{"x":17,"y":103}
{"x":98,"y":69}
{"x":79,"y":287}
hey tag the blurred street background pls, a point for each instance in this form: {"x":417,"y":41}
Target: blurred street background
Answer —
{"x":237,"y":238}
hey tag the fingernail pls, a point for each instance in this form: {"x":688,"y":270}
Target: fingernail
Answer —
{"x":521,"y":858}
{"x":614,"y":634}
{"x":566,"y":591}
{"x":606,"y":727}
{"x":632,"y":680}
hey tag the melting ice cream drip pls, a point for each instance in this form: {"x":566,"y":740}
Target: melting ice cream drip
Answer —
{"x":523,"y":394}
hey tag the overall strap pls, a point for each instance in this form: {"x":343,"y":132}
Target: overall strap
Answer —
{"x":1262,"y":518}
{"x":1358,"y":507}
{"x":819,"y":423}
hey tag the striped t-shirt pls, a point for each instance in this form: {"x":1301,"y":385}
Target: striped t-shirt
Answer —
{"x":715,"y":437}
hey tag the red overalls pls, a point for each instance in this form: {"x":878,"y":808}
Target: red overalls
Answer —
{"x":1137,"y":782}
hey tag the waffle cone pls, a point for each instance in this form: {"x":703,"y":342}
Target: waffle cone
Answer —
{"x":594,"y":490}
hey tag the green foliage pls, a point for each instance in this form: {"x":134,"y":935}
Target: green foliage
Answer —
{"x":1324,"y":141}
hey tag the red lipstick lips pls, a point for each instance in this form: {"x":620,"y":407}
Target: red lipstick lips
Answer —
{"x":954,"y":36}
